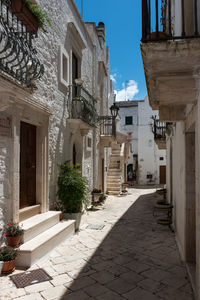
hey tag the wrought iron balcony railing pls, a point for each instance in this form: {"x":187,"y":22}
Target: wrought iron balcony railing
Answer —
{"x":82,"y":106}
{"x":18,"y":58}
{"x":163,"y":20}
{"x":159,"y":129}
{"x":107,"y":126}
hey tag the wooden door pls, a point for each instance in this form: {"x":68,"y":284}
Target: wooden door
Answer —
{"x":27,"y":165}
{"x":162,"y":174}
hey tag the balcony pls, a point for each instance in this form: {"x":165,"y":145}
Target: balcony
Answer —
{"x":18,"y":58}
{"x":159,"y":130}
{"x":82,"y":111}
{"x":107,"y":130}
{"x":170,"y":43}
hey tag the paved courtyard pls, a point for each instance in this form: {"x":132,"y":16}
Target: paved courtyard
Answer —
{"x":119,"y":253}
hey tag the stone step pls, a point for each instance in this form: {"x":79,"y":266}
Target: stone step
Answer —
{"x":112,"y":192}
{"x":114,"y":172}
{"x":113,"y":177}
{"x":113,"y":184}
{"x":118,"y":188}
{"x":31,"y":251}
{"x":114,"y":180}
{"x":38,"y":224}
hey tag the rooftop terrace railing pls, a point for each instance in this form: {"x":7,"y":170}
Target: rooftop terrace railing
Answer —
{"x":163,"y":20}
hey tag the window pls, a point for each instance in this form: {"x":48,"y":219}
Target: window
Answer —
{"x":64,"y":67}
{"x":161,"y":158}
{"x":89,"y":144}
{"x":129,"y":120}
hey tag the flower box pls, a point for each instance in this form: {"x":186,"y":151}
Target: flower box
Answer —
{"x":21,"y":10}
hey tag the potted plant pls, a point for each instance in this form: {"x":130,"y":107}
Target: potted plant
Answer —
{"x":96,"y":195}
{"x":8,"y":256}
{"x":59,"y":206}
{"x":13,"y":233}
{"x":79,"y":81}
{"x":30,"y":14}
{"x":72,"y":191}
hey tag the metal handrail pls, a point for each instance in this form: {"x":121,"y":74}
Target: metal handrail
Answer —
{"x":107,"y":126}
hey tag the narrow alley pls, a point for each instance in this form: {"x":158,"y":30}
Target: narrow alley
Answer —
{"x":119,"y":253}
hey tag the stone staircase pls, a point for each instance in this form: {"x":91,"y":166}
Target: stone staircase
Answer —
{"x":114,"y":171}
{"x":42,"y":233}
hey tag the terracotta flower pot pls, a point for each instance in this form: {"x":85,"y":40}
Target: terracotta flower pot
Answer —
{"x":22,"y":11}
{"x":8,"y":267}
{"x":13,"y":241}
{"x":61,"y":216}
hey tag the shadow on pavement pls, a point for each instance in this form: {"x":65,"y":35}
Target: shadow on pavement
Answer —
{"x":138,"y":260}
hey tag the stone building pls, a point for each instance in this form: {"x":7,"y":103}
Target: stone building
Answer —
{"x":171,"y":58}
{"x":147,"y":161}
{"x":48,"y":117}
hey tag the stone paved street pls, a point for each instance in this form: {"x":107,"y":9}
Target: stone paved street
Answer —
{"x":131,"y":257}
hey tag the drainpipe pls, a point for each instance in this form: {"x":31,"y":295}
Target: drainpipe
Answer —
{"x":171,"y":173}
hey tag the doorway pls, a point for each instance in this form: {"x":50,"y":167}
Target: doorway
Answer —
{"x":162,"y":174}
{"x":27,"y":165}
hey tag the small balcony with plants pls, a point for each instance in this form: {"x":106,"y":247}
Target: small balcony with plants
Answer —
{"x":170,"y":43}
{"x":159,"y":130}
{"x":20,"y":20}
{"x":82,"y":111}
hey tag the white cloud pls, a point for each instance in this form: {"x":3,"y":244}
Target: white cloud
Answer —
{"x":113,"y":77}
{"x":128,"y":92}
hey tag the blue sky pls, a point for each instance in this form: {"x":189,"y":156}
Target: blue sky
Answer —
{"x":123,"y":24}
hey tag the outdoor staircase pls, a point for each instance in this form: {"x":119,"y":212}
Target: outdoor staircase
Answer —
{"x":114,"y":171}
{"x":42,"y":233}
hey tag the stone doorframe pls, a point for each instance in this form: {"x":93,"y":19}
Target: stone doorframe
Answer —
{"x":29,"y":112}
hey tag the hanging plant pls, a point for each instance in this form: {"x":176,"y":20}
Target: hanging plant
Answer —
{"x":42,"y":17}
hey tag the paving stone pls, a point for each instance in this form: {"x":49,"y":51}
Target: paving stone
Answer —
{"x":95,"y":290}
{"x":175,"y":281}
{"x":110,"y":296}
{"x":120,"y":286}
{"x":103,"y":277}
{"x":156,"y":274}
{"x":131,"y":277}
{"x":118,"y":270}
{"x":174,"y":294}
{"x":34,"y":296}
{"x":79,"y":295}
{"x":140,"y":294}
{"x":38,"y":287}
{"x":150,"y":285}
{"x":81,"y":283}
{"x":54,"y":293}
{"x":61,"y":279}
{"x":137,"y":266}
{"x":10,"y":293}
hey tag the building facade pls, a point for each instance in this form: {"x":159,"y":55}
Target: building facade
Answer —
{"x":171,"y":55}
{"x":47,"y":115}
{"x":146,"y":161}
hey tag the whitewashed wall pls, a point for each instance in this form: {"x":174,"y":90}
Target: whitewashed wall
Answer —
{"x":148,"y":153}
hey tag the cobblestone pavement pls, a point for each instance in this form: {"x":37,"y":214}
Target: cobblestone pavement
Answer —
{"x":131,"y":257}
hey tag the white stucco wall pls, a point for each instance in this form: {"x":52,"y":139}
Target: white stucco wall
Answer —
{"x":148,"y":153}
{"x":179,"y":188}
{"x":53,"y":96}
